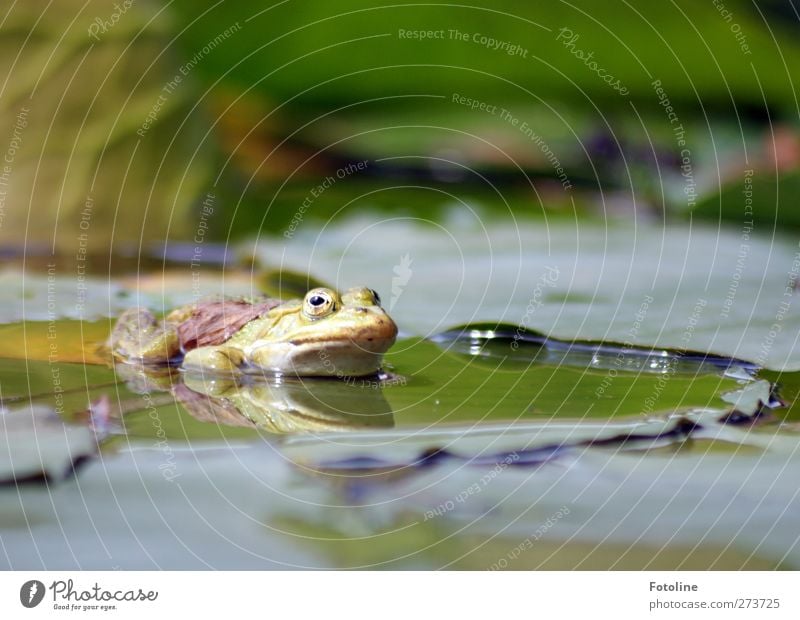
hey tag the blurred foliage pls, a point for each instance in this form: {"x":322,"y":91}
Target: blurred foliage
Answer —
{"x":350,"y":51}
{"x":304,"y":88}
{"x":81,"y":167}
{"x":274,"y":99}
{"x":774,"y":204}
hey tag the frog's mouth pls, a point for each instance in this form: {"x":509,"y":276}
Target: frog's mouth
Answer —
{"x":333,"y":358}
{"x":358,"y":354}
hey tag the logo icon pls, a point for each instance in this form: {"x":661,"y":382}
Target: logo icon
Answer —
{"x":403,"y":273}
{"x":31,"y":593}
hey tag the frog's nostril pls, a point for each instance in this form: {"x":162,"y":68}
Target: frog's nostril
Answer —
{"x":360,"y":309}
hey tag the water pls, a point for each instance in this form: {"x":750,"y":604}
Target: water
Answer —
{"x":456,"y":460}
{"x":486,"y":447}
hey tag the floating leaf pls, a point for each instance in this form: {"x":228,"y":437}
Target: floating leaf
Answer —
{"x":37,"y":446}
{"x":673,"y":287}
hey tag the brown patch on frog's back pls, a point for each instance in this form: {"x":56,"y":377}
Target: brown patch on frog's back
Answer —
{"x":213,"y":322}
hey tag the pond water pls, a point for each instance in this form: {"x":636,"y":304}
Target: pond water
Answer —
{"x":488,"y":446}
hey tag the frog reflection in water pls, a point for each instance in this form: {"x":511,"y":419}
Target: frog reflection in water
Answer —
{"x":325,"y":334}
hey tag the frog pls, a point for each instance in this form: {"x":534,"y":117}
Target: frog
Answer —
{"x":325,"y":334}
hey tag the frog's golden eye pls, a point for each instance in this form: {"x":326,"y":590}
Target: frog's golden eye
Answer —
{"x":318,"y":303}
{"x":376,"y":296}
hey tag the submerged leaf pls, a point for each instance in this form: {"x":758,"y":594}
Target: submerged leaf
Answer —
{"x":62,"y":341}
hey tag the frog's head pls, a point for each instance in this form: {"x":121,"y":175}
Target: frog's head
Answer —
{"x":325,"y":334}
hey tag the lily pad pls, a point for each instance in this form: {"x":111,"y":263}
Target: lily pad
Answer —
{"x":37,"y":446}
{"x":676,"y":287}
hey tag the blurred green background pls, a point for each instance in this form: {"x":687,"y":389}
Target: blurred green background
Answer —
{"x":148,"y":118}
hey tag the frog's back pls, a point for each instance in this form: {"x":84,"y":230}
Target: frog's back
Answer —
{"x":213,"y":322}
{"x":138,"y":335}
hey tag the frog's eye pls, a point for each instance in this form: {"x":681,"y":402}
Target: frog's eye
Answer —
{"x":376,"y":296}
{"x":318,"y":303}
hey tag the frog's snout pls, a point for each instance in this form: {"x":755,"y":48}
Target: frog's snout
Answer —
{"x":375,"y":334}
